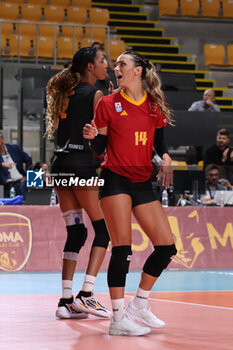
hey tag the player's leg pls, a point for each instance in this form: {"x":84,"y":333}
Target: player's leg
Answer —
{"x":153,"y":220}
{"x":76,"y":236}
{"x":85,"y":301}
{"x":117,"y":213}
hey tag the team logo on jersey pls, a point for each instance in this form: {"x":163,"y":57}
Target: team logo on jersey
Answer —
{"x":118,"y":107}
{"x":124,"y":113}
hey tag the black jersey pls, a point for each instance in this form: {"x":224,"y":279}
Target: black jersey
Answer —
{"x":78,"y":113}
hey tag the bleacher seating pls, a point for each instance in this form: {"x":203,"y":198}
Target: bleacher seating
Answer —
{"x":53,"y":13}
{"x":116,"y":47}
{"x":7,"y":28}
{"x":47,"y":30}
{"x":65,"y":48}
{"x":21,"y":44}
{"x":30,"y":12}
{"x":69,"y":32}
{"x":45,"y":47}
{"x":227,"y":7}
{"x":189,"y":7}
{"x":9,"y":11}
{"x":76,"y":15}
{"x":82,"y":3}
{"x":230,"y":55}
{"x":35,"y":2}
{"x":98,"y":16}
{"x":210,"y":8}
{"x":64,"y":3}
{"x":97,"y":34}
{"x":214,"y":54}
{"x":168,"y":7}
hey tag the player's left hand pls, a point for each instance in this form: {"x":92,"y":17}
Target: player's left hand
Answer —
{"x":90,"y":131}
{"x":165,"y":175}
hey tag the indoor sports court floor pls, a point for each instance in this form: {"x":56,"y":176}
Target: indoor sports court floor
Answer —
{"x":197,"y":306}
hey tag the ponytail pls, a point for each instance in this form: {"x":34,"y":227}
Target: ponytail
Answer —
{"x":153,"y":84}
{"x":58,"y":90}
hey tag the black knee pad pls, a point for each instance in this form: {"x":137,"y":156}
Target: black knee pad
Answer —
{"x":159,"y":259}
{"x":119,"y":265}
{"x":101,"y":234}
{"x":76,"y":238}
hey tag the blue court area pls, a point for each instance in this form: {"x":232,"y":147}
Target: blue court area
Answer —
{"x":169,"y":281}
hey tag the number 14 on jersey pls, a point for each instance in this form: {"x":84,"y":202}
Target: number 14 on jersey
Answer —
{"x":140,"y":136}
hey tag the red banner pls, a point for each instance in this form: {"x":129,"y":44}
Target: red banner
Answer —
{"x":32,"y":239}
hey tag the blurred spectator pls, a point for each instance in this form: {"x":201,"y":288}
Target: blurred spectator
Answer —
{"x":109,"y":83}
{"x":13,"y":165}
{"x":214,"y":183}
{"x":45,"y":168}
{"x":205,"y":105}
{"x":221,"y":154}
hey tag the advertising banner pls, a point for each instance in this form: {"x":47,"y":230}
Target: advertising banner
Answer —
{"x":32,"y":239}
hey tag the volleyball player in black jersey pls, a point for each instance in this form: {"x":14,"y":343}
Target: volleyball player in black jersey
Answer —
{"x":71,"y":101}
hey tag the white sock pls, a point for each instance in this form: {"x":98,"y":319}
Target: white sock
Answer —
{"x":88,"y":283}
{"x":141,"y":298}
{"x":118,"y":309}
{"x":67,"y":288}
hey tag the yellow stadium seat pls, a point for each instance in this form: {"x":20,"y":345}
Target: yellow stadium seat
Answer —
{"x":77,"y":15}
{"x":81,"y":3}
{"x":7,"y":28}
{"x":179,"y":165}
{"x":189,"y":7}
{"x":45,"y":47}
{"x":9,"y":11}
{"x":210,"y":8}
{"x":98,"y":16}
{"x":230,"y":55}
{"x":64,"y":3}
{"x":168,"y":7}
{"x":19,"y":2}
{"x":97,"y":34}
{"x":86,"y":42}
{"x":200,"y":165}
{"x":116,"y":47}
{"x":66,"y":48}
{"x":54,"y":13}
{"x":26,"y":29}
{"x":214,"y":54}
{"x":68,"y":32}
{"x":227,"y":6}
{"x":48,"y":30}
{"x":31,"y":12}
{"x":36,"y":2}
{"x":20,"y":44}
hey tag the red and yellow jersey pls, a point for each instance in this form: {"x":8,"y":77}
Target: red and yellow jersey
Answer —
{"x":131,"y":127}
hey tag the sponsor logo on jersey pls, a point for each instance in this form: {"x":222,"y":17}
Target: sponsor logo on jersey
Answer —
{"x":124,"y":113}
{"x":118,"y":107}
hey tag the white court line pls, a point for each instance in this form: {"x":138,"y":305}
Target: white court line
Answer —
{"x":194,"y":304}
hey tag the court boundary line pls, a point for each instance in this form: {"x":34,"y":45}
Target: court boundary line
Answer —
{"x":193,"y":304}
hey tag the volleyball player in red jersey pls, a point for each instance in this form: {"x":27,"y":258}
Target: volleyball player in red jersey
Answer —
{"x":125,"y":123}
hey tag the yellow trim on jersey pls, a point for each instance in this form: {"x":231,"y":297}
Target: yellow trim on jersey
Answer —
{"x":137,"y":103}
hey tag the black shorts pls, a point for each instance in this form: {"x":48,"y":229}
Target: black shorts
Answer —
{"x":140,"y":192}
{"x":78,"y":164}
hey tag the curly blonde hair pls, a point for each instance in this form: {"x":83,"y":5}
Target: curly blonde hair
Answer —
{"x":58,"y":90}
{"x":153,"y":82}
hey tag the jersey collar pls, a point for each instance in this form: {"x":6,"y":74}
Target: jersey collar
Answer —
{"x":136,"y":103}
